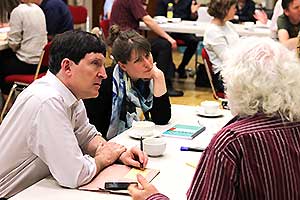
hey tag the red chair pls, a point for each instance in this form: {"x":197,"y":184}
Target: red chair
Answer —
{"x":79,"y":14}
{"x":209,"y":71}
{"x":21,"y":81}
{"x":104,"y":25}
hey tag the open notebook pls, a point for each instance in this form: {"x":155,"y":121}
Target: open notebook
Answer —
{"x":118,"y":172}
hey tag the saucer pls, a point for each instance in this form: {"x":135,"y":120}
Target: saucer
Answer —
{"x":201,"y":113}
{"x":136,"y":134}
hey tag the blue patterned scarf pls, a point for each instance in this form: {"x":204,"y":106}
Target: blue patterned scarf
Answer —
{"x":126,"y":97}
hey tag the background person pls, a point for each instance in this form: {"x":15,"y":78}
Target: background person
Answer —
{"x":26,"y":39}
{"x":6,"y":6}
{"x":47,"y":131}
{"x":107,"y":8}
{"x":58,"y":17}
{"x":220,"y":36}
{"x":127,"y":14}
{"x":134,"y":83}
{"x":186,"y":10}
{"x":289,"y":23}
{"x":255,"y":155}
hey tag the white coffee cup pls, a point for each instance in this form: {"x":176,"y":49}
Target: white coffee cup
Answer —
{"x":154,"y":146}
{"x":210,"y":107}
{"x":143,"y":128}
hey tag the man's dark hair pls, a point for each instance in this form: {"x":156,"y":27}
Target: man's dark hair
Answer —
{"x":73,"y":45}
{"x":285,"y":3}
{"x":220,"y":8}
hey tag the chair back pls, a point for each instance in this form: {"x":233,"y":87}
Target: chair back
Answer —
{"x":79,"y":14}
{"x":209,"y":71}
{"x":21,"y":81}
{"x":104,"y":25}
{"x":44,"y":60}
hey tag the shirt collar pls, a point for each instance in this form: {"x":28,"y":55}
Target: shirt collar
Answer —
{"x":65,"y":93}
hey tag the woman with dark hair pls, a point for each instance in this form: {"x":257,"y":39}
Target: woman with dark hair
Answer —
{"x":219,"y":36}
{"x":134,"y":83}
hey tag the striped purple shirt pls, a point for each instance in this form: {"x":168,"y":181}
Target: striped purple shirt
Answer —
{"x":251,"y":159}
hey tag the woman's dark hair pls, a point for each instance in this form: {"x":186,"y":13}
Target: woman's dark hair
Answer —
{"x":124,"y":42}
{"x":74,"y":45}
{"x":6,"y":6}
{"x":219,"y":8}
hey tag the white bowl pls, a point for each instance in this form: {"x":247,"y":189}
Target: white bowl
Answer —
{"x":154,"y":146}
{"x":143,"y":128}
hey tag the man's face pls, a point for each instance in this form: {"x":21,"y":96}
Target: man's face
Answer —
{"x":293,"y":12}
{"x":86,"y":77}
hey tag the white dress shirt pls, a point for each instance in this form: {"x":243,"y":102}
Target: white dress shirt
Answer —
{"x":46,"y":131}
{"x":217,"y":41}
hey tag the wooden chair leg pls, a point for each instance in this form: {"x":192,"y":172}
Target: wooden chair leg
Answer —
{"x":6,"y":105}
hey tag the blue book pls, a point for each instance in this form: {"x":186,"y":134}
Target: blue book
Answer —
{"x":184,"y":131}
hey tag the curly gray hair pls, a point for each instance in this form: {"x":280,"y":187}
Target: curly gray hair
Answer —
{"x":262,"y":76}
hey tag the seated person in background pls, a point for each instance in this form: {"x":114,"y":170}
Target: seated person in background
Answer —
{"x":220,"y":36}
{"x":186,"y":10}
{"x":245,"y":11}
{"x":256,"y":155}
{"x":107,"y":8}
{"x":134,"y":83}
{"x":26,"y":39}
{"x":127,"y":14}
{"x":58,"y":17}
{"x":6,"y":6}
{"x":47,"y":130}
{"x":289,"y":23}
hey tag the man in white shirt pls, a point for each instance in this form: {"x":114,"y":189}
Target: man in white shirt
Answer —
{"x":47,"y":130}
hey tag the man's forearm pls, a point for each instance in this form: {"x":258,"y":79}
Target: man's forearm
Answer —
{"x":94,"y":143}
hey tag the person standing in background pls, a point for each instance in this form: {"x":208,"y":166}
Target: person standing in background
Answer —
{"x":186,"y":10}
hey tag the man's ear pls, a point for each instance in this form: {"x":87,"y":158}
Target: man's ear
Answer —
{"x":123,"y":67}
{"x":66,"y":66}
{"x":286,"y":12}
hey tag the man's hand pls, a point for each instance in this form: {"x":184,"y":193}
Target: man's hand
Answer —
{"x":134,"y":157}
{"x":143,"y":192}
{"x":108,"y":153}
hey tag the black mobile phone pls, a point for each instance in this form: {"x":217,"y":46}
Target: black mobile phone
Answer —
{"x":117,"y":185}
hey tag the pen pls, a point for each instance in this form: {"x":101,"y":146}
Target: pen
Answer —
{"x":142,"y":149}
{"x":197,"y":149}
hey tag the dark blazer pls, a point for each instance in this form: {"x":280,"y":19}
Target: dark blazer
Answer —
{"x":99,"y":109}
